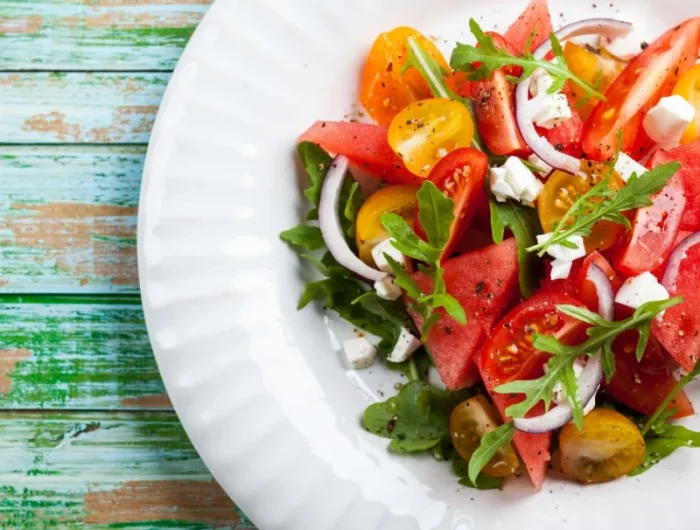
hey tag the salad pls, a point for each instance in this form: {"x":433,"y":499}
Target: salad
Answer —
{"x":528,"y":248}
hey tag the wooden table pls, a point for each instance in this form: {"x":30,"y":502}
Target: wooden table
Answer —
{"x":88,"y":437}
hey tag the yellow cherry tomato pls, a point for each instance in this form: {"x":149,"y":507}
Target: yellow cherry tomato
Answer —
{"x":562,"y":190}
{"x":369,"y":232}
{"x":610,"y":446}
{"x":426,"y":131}
{"x":688,"y":87}
{"x":469,"y":423}
{"x":594,"y":67}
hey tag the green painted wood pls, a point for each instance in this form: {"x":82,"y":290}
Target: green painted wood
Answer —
{"x":79,"y":108}
{"x":96,"y":34}
{"x":74,"y":353}
{"x":101,"y":470}
{"x":68,"y":218}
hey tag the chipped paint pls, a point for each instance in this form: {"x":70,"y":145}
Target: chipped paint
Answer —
{"x":156,"y":401}
{"x":21,"y":25}
{"x":8,"y":360}
{"x":55,"y":123}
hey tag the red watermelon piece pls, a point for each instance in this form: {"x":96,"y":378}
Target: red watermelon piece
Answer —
{"x":567,"y":136}
{"x":535,"y":18}
{"x":659,"y":273}
{"x":485,"y":282}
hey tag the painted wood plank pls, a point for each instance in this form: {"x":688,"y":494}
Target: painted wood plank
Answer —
{"x":96,"y":34}
{"x":103,"y":470}
{"x":68,"y":218}
{"x":95,"y":108}
{"x":76,"y":353}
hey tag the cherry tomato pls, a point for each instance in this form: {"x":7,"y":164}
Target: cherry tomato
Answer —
{"x":509,"y":355}
{"x":461,"y":176}
{"x":597,"y":68}
{"x":385,"y":90}
{"x":562,"y":190}
{"x":369,"y":231}
{"x":649,"y":77}
{"x":469,"y":423}
{"x":610,"y":446}
{"x":688,"y":87}
{"x":426,"y":131}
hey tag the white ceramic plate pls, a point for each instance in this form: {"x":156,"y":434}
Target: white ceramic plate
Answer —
{"x":260,"y":387}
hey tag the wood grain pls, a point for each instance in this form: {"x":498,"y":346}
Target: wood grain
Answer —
{"x":104,"y":470}
{"x":94,"y":108}
{"x":96,"y":34}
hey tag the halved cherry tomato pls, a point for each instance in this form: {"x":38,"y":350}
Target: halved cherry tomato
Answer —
{"x":427,"y":131}
{"x":460,"y":176}
{"x":610,"y":446}
{"x":649,"y":77}
{"x":369,"y":231}
{"x":562,"y":190}
{"x":594,"y":67}
{"x":688,"y":87}
{"x":587,"y":291}
{"x":644,"y":385}
{"x":509,"y":354}
{"x":365,"y":145}
{"x":469,"y":423}
{"x":494,"y":108}
{"x":386,"y":90}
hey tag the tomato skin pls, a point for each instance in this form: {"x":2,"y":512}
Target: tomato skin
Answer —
{"x":644,"y":385}
{"x":494,"y":109}
{"x":366,"y":146}
{"x":689,"y":158}
{"x":649,"y":77}
{"x":586,"y":290}
{"x":461,"y":176}
{"x":535,"y":18}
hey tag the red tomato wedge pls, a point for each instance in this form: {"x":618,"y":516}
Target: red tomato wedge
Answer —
{"x":366,"y":146}
{"x":494,"y":108}
{"x":689,"y":157}
{"x":649,"y":77}
{"x":461,"y":176}
{"x":587,"y":291}
{"x":485,"y":282}
{"x":535,"y":18}
{"x":644,"y":385}
{"x":679,"y":331}
{"x":654,"y":229}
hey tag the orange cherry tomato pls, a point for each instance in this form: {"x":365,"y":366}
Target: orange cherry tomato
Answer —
{"x":688,"y":87}
{"x":385,"y":90}
{"x":369,"y":231}
{"x":562,"y":190}
{"x":427,"y":131}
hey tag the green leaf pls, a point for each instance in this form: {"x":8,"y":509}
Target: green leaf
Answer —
{"x":436,"y":214}
{"x":393,"y":311}
{"x":483,"y":481}
{"x":449,"y":303}
{"x":584,"y":315}
{"x":316,"y":162}
{"x":406,"y":240}
{"x":428,"y":323}
{"x":308,"y":237}
{"x":608,"y":358}
{"x":403,"y":279}
{"x":353,"y":199}
{"x":490,"y":445}
{"x":573,"y":395}
{"x":644,"y":333}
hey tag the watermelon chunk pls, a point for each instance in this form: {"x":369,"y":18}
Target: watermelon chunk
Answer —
{"x":535,"y":18}
{"x":486,"y":284}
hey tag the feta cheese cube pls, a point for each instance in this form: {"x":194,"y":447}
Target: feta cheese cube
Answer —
{"x":545,"y":169}
{"x":641,"y":289}
{"x":560,"y":252}
{"x":499,"y":185}
{"x":550,"y":110}
{"x":387,"y":290}
{"x":626,"y":166}
{"x":360,"y":353}
{"x":405,"y":346}
{"x":668,"y":120}
{"x":560,"y":269}
{"x":386,"y":247}
{"x":625,"y":48}
{"x":540,"y":83}
{"x":523,"y":182}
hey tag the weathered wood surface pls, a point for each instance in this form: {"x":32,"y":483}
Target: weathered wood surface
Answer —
{"x":96,"y":34}
{"x":68,"y":218}
{"x":100,"y":470}
{"x":93,"y":108}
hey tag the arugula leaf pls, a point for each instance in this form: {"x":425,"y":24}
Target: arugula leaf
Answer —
{"x":490,"y":445}
{"x":317,"y":163}
{"x":393,"y":311}
{"x":406,"y":240}
{"x":524,"y":223}
{"x":308,"y":237}
{"x":403,"y":279}
{"x":490,"y":58}
{"x":436,"y":215}
{"x":601,"y":203}
{"x":483,"y":481}
{"x":352,"y":197}
{"x":573,"y":395}
{"x":449,"y":303}
{"x":682,"y":382}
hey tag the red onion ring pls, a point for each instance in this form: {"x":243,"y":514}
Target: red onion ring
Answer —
{"x":606,"y":27}
{"x":591,"y":376}
{"x":331,"y":229}
{"x":674,"y":262}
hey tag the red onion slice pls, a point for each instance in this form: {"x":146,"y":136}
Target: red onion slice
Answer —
{"x":591,"y":376}
{"x":606,"y":27}
{"x":332,"y":230}
{"x":674,"y":262}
